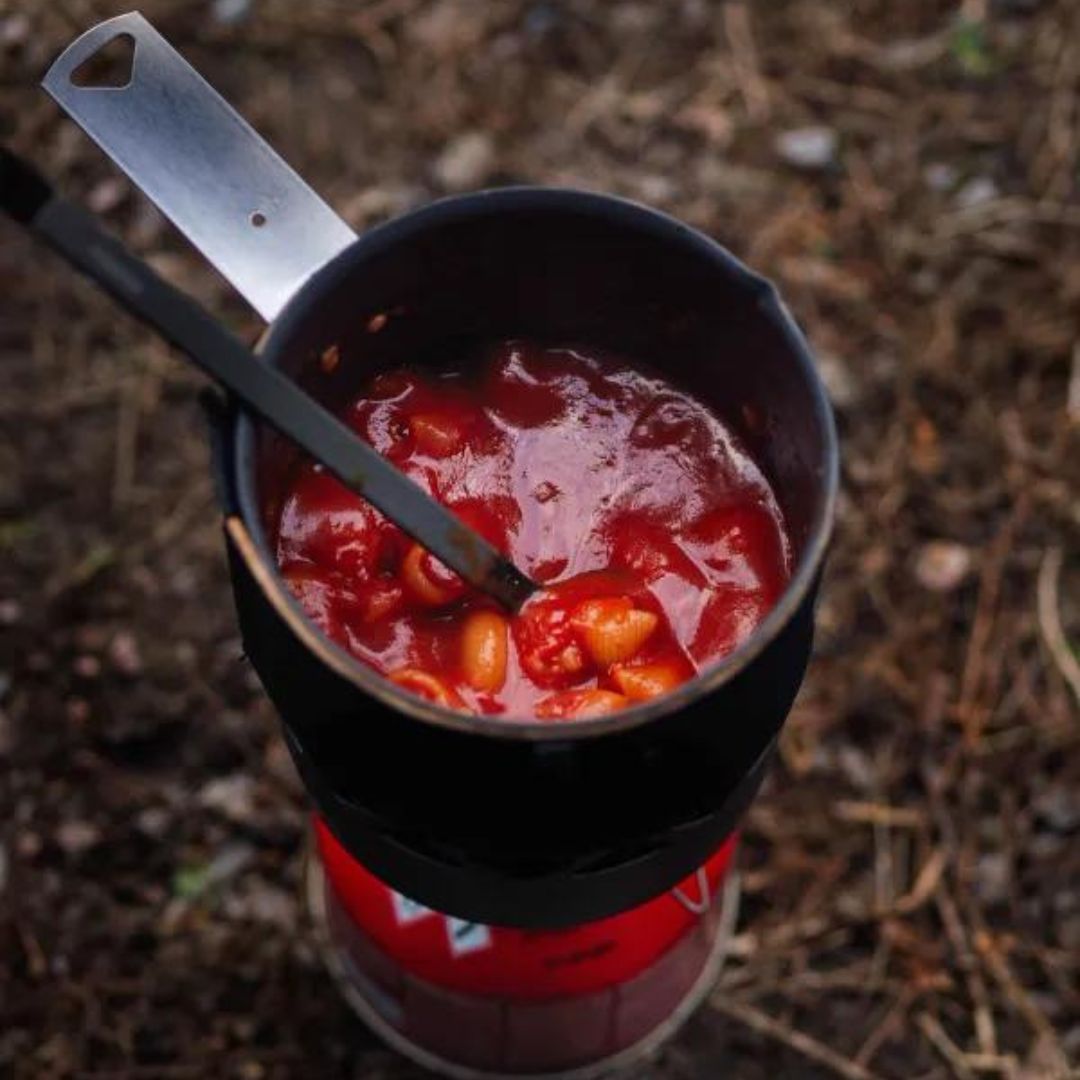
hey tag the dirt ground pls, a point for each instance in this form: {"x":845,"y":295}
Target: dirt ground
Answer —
{"x":909,"y":173}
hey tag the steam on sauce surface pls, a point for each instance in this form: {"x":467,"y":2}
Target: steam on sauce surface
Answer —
{"x":659,"y":537}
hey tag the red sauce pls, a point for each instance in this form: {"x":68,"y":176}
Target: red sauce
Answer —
{"x":659,"y":537}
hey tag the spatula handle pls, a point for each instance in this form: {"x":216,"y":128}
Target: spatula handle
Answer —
{"x":205,"y":167}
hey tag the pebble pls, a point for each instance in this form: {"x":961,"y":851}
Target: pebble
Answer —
{"x":86,"y":667}
{"x":808,"y":147}
{"x":231,"y":796}
{"x":465,"y":161}
{"x":124,"y":654}
{"x":107,"y":195}
{"x":842,"y":388}
{"x":978,"y":190}
{"x":153,"y":821}
{"x":653,"y":188}
{"x":14,"y":30}
{"x":75,"y":837}
{"x":942,"y":565}
{"x":993,"y":872}
{"x":11,"y":612}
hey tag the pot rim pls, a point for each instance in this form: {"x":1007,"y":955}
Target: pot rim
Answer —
{"x":485,"y":204}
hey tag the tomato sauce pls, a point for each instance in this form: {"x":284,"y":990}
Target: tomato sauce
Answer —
{"x":659,"y":539}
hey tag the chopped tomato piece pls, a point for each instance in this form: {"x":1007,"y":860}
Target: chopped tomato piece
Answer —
{"x":322,"y":522}
{"x":548,"y":646}
{"x":379,"y":599}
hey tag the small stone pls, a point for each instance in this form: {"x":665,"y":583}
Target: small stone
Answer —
{"x":842,"y":388}
{"x":808,"y":147}
{"x":465,"y":161}
{"x":940,"y":176}
{"x":11,"y":612}
{"x":5,"y":684}
{"x":653,"y":188}
{"x":447,"y":28}
{"x":86,"y":667}
{"x":231,"y":796}
{"x":993,"y":873}
{"x":124,"y":654}
{"x":978,"y":190}
{"x":107,"y":195}
{"x":75,"y":837}
{"x":153,"y":821}
{"x":14,"y":30}
{"x":942,"y":565}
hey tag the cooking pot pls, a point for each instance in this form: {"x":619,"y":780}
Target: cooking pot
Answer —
{"x":510,"y":822}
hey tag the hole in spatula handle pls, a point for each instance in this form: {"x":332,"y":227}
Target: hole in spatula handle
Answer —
{"x":110,"y":68}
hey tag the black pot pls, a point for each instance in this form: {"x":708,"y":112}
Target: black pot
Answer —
{"x":524,"y":823}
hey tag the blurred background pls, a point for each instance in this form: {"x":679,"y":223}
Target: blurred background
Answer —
{"x":908,"y":173}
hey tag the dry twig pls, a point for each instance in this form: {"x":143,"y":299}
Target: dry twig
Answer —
{"x":1053,"y":634}
{"x":800,"y":1042}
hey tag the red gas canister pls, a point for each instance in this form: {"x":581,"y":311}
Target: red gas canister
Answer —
{"x":470,"y":1000}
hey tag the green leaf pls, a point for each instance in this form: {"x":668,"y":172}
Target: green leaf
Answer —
{"x":971,"y":50}
{"x":191,"y":881}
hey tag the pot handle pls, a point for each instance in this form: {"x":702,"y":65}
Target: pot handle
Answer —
{"x":204,"y":166}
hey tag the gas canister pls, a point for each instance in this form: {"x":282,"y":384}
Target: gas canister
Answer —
{"x":471,"y":1000}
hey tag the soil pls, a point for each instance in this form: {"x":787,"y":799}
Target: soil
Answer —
{"x":908,"y":174}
